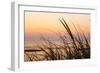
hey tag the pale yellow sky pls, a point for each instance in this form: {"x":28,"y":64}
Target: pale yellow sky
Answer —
{"x":48,"y":23}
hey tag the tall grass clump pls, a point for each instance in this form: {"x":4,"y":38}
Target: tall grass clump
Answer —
{"x":81,"y":50}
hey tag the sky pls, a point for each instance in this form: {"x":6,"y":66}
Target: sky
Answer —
{"x":48,"y":24}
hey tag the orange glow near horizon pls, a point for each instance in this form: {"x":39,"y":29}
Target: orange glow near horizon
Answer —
{"x":48,"y":23}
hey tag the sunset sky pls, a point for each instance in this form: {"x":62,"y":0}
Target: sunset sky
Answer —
{"x":47,"y":23}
